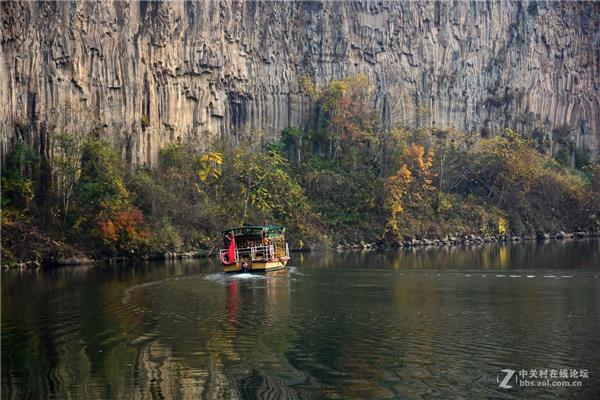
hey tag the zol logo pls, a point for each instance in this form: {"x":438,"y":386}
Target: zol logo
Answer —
{"x":509,"y":374}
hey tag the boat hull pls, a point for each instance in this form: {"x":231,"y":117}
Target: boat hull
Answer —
{"x":258,"y":266}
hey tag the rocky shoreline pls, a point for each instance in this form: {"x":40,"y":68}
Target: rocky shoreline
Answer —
{"x":469,"y":240}
{"x":72,"y":261}
{"x":448,"y":241}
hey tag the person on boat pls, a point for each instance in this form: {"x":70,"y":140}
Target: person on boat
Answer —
{"x":244,"y":266}
{"x":265,"y":242}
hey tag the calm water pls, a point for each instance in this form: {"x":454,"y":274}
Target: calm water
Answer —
{"x":408,"y":325}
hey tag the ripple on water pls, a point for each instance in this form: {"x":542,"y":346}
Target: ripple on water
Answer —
{"x":223,"y":277}
{"x":303,"y":333}
{"x":294,"y":271}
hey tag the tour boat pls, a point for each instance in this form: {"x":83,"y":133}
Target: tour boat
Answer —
{"x":254,"y":248}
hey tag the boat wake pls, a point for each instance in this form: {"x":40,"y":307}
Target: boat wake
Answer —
{"x":294,"y":271}
{"x":127,"y":292}
{"x":223,"y":277}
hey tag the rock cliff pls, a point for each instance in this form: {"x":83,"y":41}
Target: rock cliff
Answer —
{"x":151,"y":72}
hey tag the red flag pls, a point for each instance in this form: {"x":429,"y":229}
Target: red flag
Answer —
{"x":231,"y":251}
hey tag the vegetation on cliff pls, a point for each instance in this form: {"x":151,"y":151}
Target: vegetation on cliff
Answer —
{"x":350,"y":178}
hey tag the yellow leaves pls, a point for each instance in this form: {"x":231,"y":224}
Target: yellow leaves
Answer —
{"x":509,"y":162}
{"x":419,"y":161}
{"x":414,"y":176}
{"x":210,"y":166}
{"x":502,"y":224}
{"x":405,"y":174}
{"x":214,"y":157}
{"x":309,"y":87}
{"x":108,"y":230}
{"x":396,"y":187}
{"x":408,"y":186}
{"x":443,"y":202}
{"x":20,"y":189}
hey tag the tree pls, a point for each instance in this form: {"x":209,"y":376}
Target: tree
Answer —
{"x":345,"y":105}
{"x":66,"y":163}
{"x":419,"y":161}
{"x":292,"y":139}
{"x":594,"y":195}
{"x":105,"y":210}
{"x":18,"y":176}
{"x":396,"y":187}
{"x":267,"y":185}
{"x":209,"y":170}
{"x":448,"y":165}
{"x":409,"y":186}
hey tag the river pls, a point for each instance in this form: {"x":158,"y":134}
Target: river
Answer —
{"x":409,"y":324}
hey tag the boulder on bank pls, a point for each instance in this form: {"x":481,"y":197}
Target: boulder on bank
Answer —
{"x":543,"y":236}
{"x":74,"y":261}
{"x":562,"y":235}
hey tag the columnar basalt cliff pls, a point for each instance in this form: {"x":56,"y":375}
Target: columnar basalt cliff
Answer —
{"x":151,"y":72}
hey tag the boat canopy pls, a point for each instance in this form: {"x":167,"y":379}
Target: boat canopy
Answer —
{"x":271,"y":231}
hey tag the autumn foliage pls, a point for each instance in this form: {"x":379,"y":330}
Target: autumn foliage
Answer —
{"x":347,"y":177}
{"x":104,"y":209}
{"x":409,"y":186}
{"x":124,"y":231}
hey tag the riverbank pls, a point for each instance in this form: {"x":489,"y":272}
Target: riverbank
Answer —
{"x":348,"y":183}
{"x":468,"y":240}
{"x":417,"y":243}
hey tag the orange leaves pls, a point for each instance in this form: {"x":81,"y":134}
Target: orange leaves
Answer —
{"x":124,"y":230}
{"x":108,"y":230}
{"x":400,"y":180}
{"x":419,"y":161}
{"x":131,"y":222}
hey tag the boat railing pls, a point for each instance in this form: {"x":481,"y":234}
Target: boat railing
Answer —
{"x":255,"y":253}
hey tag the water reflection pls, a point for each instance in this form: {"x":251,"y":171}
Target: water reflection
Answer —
{"x":527,"y":255}
{"x":434,"y":323}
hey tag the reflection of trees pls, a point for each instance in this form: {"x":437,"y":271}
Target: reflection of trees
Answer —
{"x":53,"y":346}
{"x":230,"y":349}
{"x":523,"y":255}
{"x":159,"y":374}
{"x":65,"y":331}
{"x":262,"y":333}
